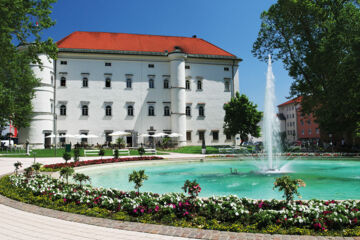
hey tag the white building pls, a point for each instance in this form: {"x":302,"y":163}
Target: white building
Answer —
{"x":105,"y":82}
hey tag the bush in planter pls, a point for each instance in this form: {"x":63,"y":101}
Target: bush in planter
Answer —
{"x":192,"y":188}
{"x":28,"y":172}
{"x":101,"y":152}
{"x":141,"y":151}
{"x":289,"y":186}
{"x":76,"y":154}
{"x":138,"y":178}
{"x":66,"y":172}
{"x":116,"y":153}
{"x":66,"y":156}
{"x":36,"y":167}
{"x":17,"y":166}
{"x":80,"y":177}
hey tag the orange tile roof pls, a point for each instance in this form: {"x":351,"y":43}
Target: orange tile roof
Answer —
{"x":139,"y":43}
{"x":295,"y":100}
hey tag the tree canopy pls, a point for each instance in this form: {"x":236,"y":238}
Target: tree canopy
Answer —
{"x":21,"y":23}
{"x":241,"y":117}
{"x":319,"y":44}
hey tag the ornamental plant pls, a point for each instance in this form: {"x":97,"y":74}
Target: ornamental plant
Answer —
{"x":141,"y":151}
{"x":120,"y":142}
{"x":36,"y":167}
{"x":66,"y":172}
{"x":66,"y":156}
{"x":192,"y":188}
{"x":101,"y":152}
{"x":116,"y":153}
{"x":17,"y":166}
{"x":138,"y":178}
{"x":289,"y":186}
{"x":80,"y":177}
{"x":76,"y":154}
{"x":28,"y":172}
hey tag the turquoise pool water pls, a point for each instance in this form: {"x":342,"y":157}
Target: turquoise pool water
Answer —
{"x":325,"y":179}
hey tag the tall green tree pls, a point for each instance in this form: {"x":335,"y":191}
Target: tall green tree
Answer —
{"x":21,"y":23}
{"x":318,"y":42}
{"x":241,"y":117}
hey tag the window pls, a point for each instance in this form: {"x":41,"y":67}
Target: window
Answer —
{"x":201,"y":135}
{"x":108,"y":110}
{"x":52,"y":80}
{"x":309,"y":121}
{"x":130,"y":110}
{"x":293,"y":116}
{"x":84,"y":140}
{"x":128,"y":83}
{"x":151,"y":66}
{"x":166,"y":111}
{"x":228,"y":136}
{"x":201,"y":111}
{"x":187,"y":84}
{"x":85,"y":110}
{"x":188,"y":136}
{"x":108,"y":64}
{"x":188,"y":111}
{"x":151,"y":111}
{"x":63,"y":81}
{"x":108,"y":82}
{"x":215,"y":135}
{"x":302,"y":122}
{"x":151,"y":83}
{"x":63,"y":62}
{"x":302,"y":132}
{"x":187,"y":67}
{"x":166,"y":83}
{"x":108,"y":137}
{"x":199,"y":85}
{"x":227,"y":85}
{"x":317,"y":131}
{"x":309,"y":131}
{"x":226,"y":69}
{"x":85,"y":82}
{"x":61,"y":139}
{"x":62,"y":110}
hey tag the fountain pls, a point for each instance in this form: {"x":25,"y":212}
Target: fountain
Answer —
{"x":271,"y":125}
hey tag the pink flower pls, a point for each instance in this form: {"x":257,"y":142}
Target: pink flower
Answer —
{"x":156,"y":208}
{"x":142,"y":210}
{"x":64,"y":199}
{"x":185,"y":213}
{"x":135,"y":210}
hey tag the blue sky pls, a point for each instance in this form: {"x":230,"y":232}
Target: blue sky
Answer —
{"x":230,"y":24}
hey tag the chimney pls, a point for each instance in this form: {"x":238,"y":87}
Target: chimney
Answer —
{"x":194,"y":36}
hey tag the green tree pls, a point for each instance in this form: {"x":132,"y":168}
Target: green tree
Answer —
{"x":101,"y":152}
{"x":80,"y":177}
{"x":289,"y":186}
{"x":241,"y":117}
{"x":66,"y":156}
{"x":18,"y":27}
{"x":116,"y":153}
{"x":319,"y":44}
{"x":66,"y":172}
{"x":36,"y":167}
{"x":141,"y":151}
{"x":138,"y":178}
{"x":76,"y":154}
{"x":17,"y":166}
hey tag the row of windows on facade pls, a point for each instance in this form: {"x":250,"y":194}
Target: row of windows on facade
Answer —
{"x":130,"y":110}
{"x":166,"y":83}
{"x":310,"y":131}
{"x":291,"y":124}
{"x":290,"y":108}
{"x":302,"y":122}
{"x":290,"y":116}
{"x":108,"y":64}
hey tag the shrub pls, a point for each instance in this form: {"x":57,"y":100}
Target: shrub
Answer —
{"x":36,"y":167}
{"x":28,"y":172}
{"x":138,"y":178}
{"x":66,"y":156}
{"x":76,"y":154}
{"x":289,"y":186}
{"x":66,"y":172}
{"x":192,"y":188}
{"x":101,"y":152}
{"x":120,"y":142}
{"x":116,"y":153}
{"x":80,"y":177}
{"x":141,"y":151}
{"x":17,"y":166}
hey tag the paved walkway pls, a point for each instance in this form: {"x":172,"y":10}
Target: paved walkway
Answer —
{"x":24,"y":221}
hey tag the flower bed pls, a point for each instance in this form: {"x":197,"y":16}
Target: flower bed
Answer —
{"x":99,"y":161}
{"x":222,"y":213}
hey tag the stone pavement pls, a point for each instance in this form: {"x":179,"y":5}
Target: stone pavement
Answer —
{"x":24,"y":221}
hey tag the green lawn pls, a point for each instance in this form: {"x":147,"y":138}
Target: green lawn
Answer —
{"x":194,"y":150}
{"x":59,"y":153}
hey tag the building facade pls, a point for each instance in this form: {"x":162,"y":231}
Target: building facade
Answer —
{"x":296,"y":126}
{"x":142,"y":84}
